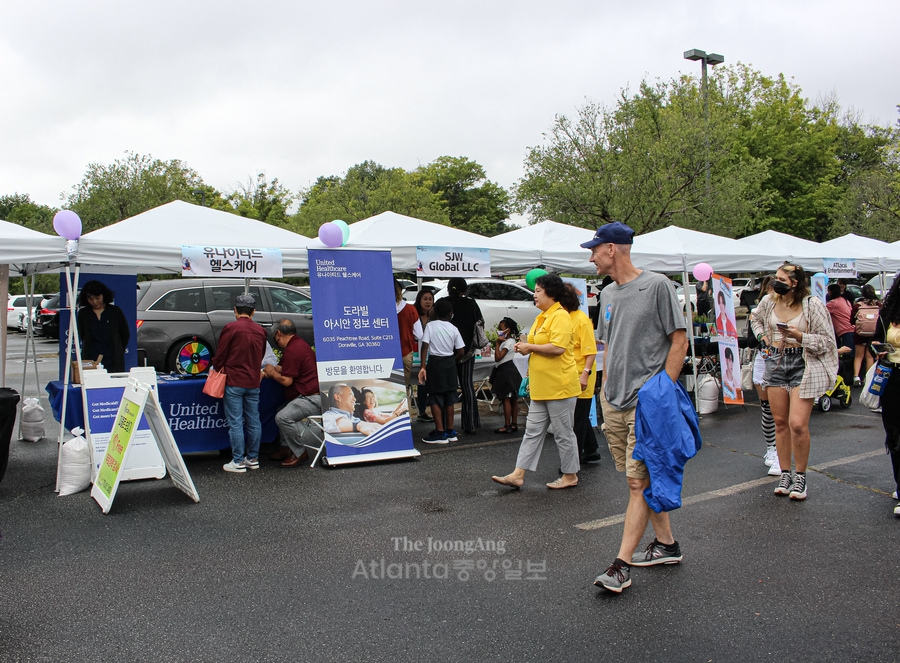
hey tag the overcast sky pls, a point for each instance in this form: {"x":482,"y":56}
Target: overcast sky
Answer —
{"x":300,"y":89}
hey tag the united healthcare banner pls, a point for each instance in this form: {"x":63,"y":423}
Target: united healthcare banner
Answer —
{"x":365,"y":412}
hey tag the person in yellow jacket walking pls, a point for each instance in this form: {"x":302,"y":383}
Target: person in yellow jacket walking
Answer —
{"x":554,"y":385}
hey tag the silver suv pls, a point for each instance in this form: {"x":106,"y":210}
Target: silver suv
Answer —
{"x":179,"y":321}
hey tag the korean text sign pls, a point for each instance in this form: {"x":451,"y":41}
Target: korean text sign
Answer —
{"x":357,"y":344}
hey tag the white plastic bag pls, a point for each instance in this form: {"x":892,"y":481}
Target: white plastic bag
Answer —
{"x":708,"y":394}
{"x":867,"y":398}
{"x":74,"y":465}
{"x":747,"y":377}
{"x":32,"y":420}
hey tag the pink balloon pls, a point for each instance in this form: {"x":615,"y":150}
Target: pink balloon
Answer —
{"x":702,"y":271}
{"x":67,"y":224}
{"x":331,"y":235}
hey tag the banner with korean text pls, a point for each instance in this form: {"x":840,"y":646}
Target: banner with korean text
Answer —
{"x":364,"y":404}
{"x":230,"y":261}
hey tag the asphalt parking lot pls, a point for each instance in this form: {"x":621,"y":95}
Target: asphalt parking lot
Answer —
{"x":321,"y":564}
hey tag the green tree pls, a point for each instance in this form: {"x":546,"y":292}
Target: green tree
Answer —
{"x":110,"y":193}
{"x":262,"y":200}
{"x":643,"y":162}
{"x":19,"y":208}
{"x":365,"y":190}
{"x":473,"y":202}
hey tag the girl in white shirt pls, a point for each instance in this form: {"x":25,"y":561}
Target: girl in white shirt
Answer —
{"x":505,"y":378}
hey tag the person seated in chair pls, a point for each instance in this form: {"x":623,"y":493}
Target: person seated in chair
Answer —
{"x":297,"y":373}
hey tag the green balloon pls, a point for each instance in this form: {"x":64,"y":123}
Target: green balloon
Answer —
{"x":345,"y":230}
{"x":533,"y":276}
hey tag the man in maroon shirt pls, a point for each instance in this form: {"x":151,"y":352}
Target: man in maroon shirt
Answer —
{"x":239,"y":355}
{"x":297,"y":373}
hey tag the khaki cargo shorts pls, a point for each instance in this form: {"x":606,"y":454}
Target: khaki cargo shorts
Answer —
{"x":618,"y":427}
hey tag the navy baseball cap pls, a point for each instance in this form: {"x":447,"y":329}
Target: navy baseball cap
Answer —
{"x":615,"y":233}
{"x":245,"y":301}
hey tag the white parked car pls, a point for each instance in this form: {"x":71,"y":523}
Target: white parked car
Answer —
{"x":17,"y":310}
{"x":500,"y":299}
{"x":692,"y":293}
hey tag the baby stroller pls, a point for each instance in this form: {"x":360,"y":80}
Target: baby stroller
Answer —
{"x":841,"y":388}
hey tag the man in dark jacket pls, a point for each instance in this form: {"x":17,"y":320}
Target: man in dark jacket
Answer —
{"x":239,"y":355}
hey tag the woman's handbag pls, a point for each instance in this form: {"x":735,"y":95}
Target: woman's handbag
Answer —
{"x":480,"y":339}
{"x":215,"y":384}
{"x":524,"y":388}
{"x":867,"y":398}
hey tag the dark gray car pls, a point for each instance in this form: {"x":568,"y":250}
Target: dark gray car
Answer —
{"x":179,"y":321}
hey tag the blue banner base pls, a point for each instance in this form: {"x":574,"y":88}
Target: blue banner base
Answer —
{"x":365,"y":458}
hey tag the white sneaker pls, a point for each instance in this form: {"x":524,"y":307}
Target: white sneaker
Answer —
{"x":894,"y":495}
{"x":857,"y":382}
{"x":897,"y":509}
{"x":771,"y":456}
{"x":876,"y":410}
{"x":237,"y":468}
{"x":774,"y":468}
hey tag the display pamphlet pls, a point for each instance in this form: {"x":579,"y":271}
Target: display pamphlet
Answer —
{"x":726,"y":336}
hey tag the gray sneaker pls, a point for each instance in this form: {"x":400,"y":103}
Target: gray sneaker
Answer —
{"x":656,"y":553}
{"x":616,"y":578}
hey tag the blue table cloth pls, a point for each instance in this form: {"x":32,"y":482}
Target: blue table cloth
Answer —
{"x":197,"y":421}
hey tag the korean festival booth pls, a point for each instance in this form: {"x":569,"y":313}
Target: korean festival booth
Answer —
{"x":138,"y":424}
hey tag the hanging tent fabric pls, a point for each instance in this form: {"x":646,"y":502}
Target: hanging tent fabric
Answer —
{"x":402,"y":234}
{"x":150,"y":242}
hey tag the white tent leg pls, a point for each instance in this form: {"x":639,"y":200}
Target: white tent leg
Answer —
{"x":690,"y":326}
{"x":71,"y":339}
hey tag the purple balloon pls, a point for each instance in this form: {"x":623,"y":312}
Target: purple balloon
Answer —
{"x":331,"y":235}
{"x":67,"y":224}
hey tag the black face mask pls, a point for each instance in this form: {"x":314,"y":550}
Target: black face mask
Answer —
{"x":781,"y":288}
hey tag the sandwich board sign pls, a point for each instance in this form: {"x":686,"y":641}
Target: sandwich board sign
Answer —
{"x":100,"y":392}
{"x":138,"y":400}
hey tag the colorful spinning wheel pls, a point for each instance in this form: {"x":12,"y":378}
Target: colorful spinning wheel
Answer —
{"x":194,"y":357}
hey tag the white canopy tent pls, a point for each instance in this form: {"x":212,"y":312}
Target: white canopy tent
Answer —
{"x":24,"y":251}
{"x":804,"y":252}
{"x":871,"y":255}
{"x":150,"y":242}
{"x":402,"y":234}
{"x":554,"y":246}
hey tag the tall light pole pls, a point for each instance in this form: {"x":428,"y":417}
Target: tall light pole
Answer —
{"x":712,"y":59}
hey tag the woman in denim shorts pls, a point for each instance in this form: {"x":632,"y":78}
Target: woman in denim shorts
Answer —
{"x":797,"y":341}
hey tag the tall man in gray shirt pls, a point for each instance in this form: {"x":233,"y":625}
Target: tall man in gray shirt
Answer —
{"x":644,"y":330}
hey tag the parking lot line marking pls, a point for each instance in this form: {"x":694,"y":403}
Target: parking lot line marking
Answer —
{"x":730,"y":490}
{"x":847,"y":459}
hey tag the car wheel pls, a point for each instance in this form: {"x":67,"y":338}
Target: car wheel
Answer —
{"x":189,"y":357}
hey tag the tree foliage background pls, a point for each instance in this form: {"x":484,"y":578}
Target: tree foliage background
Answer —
{"x":776,"y":161}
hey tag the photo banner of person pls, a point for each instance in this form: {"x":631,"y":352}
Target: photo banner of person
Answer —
{"x":729,"y":360}
{"x":726,"y":335}
{"x":724,"y":303}
{"x":445,"y":262}
{"x":365,"y":414}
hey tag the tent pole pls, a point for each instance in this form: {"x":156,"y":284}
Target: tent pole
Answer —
{"x":71,"y":339}
{"x":690,"y":326}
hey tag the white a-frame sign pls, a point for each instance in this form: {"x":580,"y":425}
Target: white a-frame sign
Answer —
{"x":138,"y":399}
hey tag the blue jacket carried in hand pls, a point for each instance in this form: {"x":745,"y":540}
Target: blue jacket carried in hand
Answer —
{"x":667,"y":434}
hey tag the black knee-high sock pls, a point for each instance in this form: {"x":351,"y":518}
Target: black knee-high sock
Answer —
{"x":768,"y":423}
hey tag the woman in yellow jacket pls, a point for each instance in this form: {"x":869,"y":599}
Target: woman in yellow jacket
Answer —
{"x":554,"y":385}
